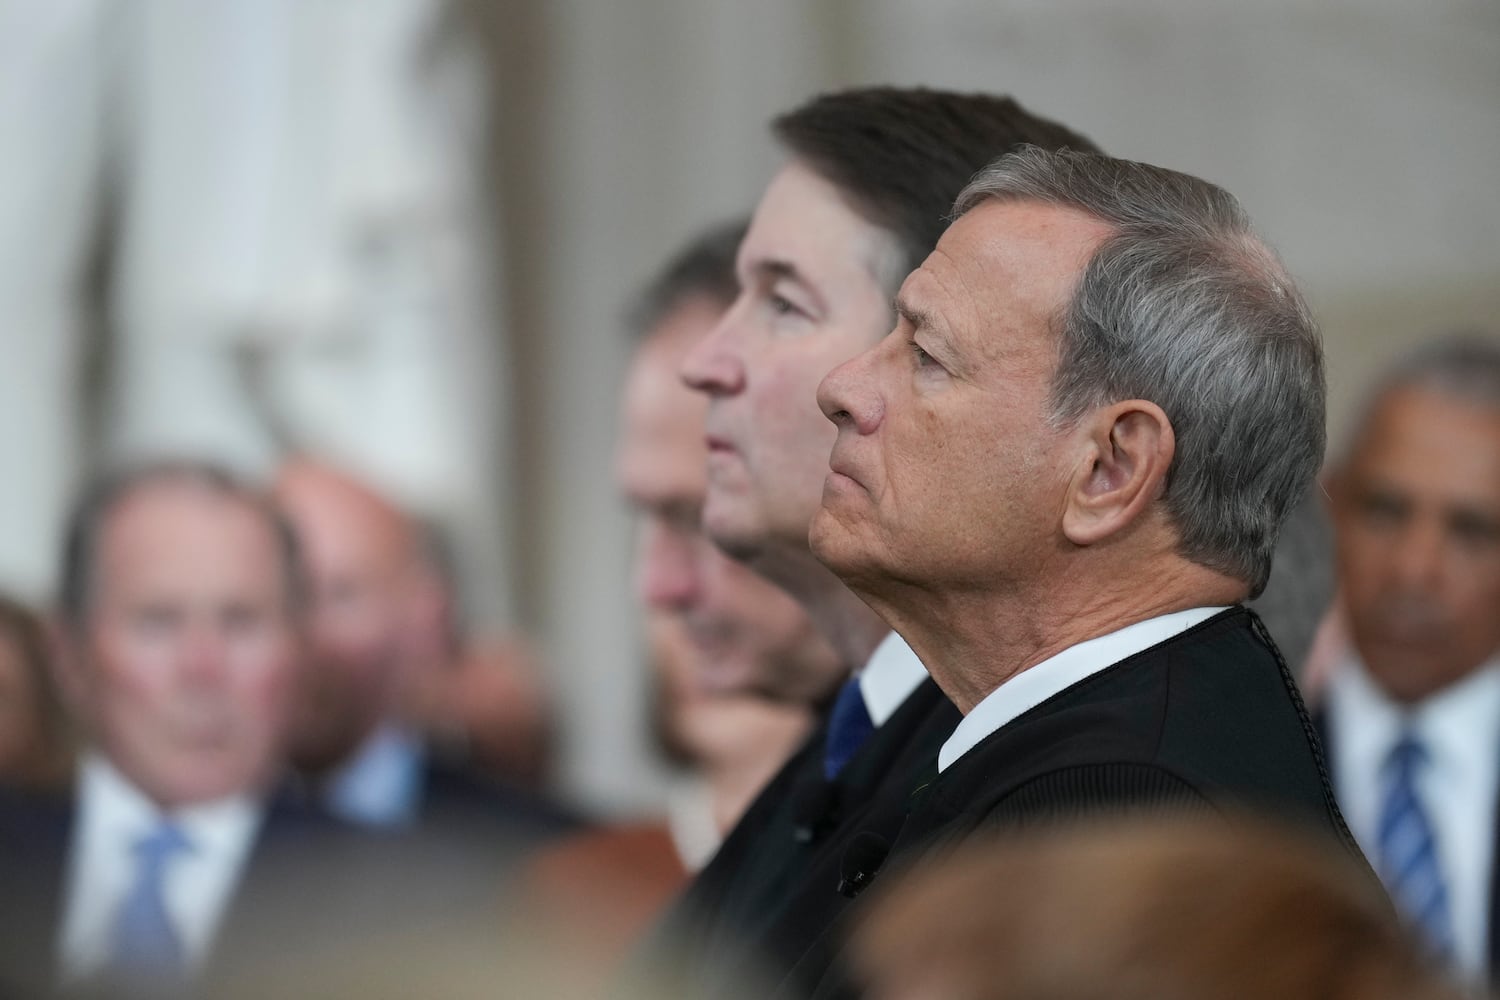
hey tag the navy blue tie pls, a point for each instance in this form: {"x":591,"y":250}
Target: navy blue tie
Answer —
{"x":1408,"y":848}
{"x":849,"y":725}
{"x":146,"y":946}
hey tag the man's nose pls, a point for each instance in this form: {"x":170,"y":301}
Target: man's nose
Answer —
{"x":1418,"y":555}
{"x":848,"y":394}
{"x":204,"y":653}
{"x":667,"y":575}
{"x":714,"y":366}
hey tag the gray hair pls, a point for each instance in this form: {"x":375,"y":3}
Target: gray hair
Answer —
{"x":1186,"y":307}
{"x":91,"y":516}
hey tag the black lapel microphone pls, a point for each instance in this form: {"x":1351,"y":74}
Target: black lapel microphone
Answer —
{"x":862,"y":859}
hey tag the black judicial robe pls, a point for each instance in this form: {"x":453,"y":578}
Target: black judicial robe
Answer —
{"x":773,"y":885}
{"x":1207,"y":719}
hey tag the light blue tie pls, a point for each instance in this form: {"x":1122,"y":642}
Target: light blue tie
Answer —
{"x":849,"y":725}
{"x":146,"y":947}
{"x":1408,"y":848}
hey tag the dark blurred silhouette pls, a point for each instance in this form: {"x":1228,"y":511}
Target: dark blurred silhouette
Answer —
{"x":1141,"y":909}
{"x":1412,"y":706}
{"x":36,"y":747}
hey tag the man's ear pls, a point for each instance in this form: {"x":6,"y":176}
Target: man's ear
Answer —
{"x":1126,"y":450}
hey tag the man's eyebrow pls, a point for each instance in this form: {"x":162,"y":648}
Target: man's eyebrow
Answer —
{"x":771,"y":267}
{"x":914,"y":315}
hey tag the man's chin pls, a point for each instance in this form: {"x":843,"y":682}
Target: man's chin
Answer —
{"x":834,"y":545}
{"x":733,"y":530}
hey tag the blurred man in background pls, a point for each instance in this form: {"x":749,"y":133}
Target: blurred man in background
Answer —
{"x":181,"y":631}
{"x":1413,"y":707}
{"x":734,"y":657}
{"x":356,"y":738}
{"x":863,"y":198}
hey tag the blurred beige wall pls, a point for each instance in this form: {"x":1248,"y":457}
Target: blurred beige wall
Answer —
{"x":1363,"y":137}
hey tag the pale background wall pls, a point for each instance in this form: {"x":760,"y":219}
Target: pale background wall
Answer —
{"x":1364,"y":138}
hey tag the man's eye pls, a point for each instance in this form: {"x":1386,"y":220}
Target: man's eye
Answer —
{"x":1383,"y":510}
{"x":155,"y":621}
{"x":781,"y":305}
{"x":923,"y":359}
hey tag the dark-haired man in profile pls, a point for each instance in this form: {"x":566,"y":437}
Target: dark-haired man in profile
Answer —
{"x":862,"y":199}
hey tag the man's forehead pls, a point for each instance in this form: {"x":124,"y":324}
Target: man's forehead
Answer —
{"x":1002,"y":263}
{"x":1025,"y":235}
{"x":1432,"y":439}
{"x":804,"y":226}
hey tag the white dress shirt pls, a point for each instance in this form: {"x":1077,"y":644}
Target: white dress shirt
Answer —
{"x":888,"y":679}
{"x":1460,"y":727}
{"x":112,"y":816}
{"x":1031,"y":687}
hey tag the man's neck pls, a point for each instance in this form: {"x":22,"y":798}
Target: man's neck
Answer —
{"x":842,"y":616}
{"x":974,"y":640}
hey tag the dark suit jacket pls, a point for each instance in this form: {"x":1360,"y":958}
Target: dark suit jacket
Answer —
{"x":309,"y":886}
{"x":773,"y":884}
{"x":1320,"y":721}
{"x":1207,"y":719}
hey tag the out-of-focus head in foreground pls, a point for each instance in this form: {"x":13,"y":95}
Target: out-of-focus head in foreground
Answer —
{"x":1165,"y":908}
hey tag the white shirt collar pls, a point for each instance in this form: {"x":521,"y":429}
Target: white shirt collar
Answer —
{"x":1460,"y":728}
{"x":113,"y":815}
{"x":690,"y":821}
{"x":888,"y":679}
{"x":1031,"y":687}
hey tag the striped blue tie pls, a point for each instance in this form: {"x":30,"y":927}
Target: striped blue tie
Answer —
{"x":146,"y":947}
{"x":1408,"y":848}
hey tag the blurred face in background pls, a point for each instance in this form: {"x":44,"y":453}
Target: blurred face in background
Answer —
{"x":362,"y":560}
{"x":740,"y":633}
{"x":1417,"y":513}
{"x":183,"y":668}
{"x":810,"y":272}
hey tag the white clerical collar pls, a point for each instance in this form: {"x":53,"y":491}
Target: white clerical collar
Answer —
{"x":888,"y":679}
{"x":1030,"y":688}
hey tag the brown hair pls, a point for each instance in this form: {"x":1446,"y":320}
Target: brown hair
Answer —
{"x":902,"y":154}
{"x":1144,"y":909}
